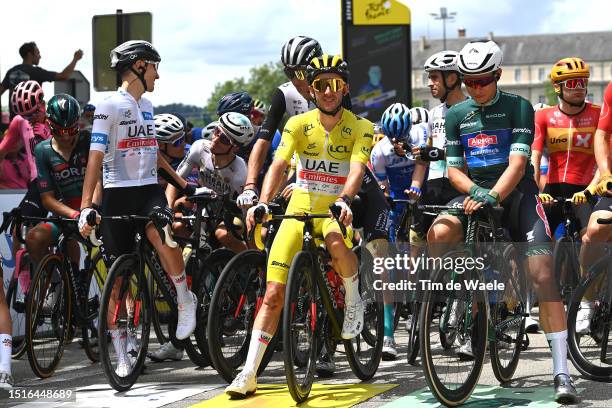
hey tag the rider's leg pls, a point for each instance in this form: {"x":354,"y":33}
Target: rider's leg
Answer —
{"x":38,"y":241}
{"x":227,"y":240}
{"x":6,"y":330}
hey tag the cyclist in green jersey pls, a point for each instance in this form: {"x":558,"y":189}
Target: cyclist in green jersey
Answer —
{"x":61,"y":162}
{"x":490,"y":135}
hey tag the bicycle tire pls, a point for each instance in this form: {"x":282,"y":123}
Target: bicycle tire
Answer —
{"x":91,"y":307}
{"x":160,"y":315}
{"x":19,"y":325}
{"x":126,"y":265}
{"x":513,"y":276}
{"x":60,"y":315}
{"x":428,"y":328}
{"x":301,"y":298}
{"x":565,"y":262}
{"x":413,"y":334}
{"x":600,"y":271}
{"x":231,"y":291}
{"x":203,"y":284}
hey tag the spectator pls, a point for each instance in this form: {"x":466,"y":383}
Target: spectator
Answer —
{"x":86,"y":119}
{"x":29,"y":70}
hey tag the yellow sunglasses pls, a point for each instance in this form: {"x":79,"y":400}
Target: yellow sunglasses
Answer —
{"x":335,"y":84}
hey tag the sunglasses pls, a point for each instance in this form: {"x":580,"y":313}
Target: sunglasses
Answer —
{"x":478,"y":83}
{"x":154,"y":63}
{"x":179,"y":141}
{"x":223,"y":138}
{"x":61,"y":132}
{"x":575,"y":83}
{"x":335,"y":84}
{"x":299,"y":73}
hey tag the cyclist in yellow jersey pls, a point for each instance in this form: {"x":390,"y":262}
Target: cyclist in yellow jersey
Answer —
{"x":332,"y":146}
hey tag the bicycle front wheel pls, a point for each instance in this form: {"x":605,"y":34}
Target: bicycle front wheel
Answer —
{"x":300,"y":329}
{"x":93,"y":282}
{"x":48,"y":315}
{"x":124,"y":323}
{"x":589,"y":319}
{"x":16,"y":302}
{"x":452,"y":372}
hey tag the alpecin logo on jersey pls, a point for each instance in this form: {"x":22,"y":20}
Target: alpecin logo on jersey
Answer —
{"x":482,"y":140}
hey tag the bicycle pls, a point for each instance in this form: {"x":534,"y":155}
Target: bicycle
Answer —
{"x":18,"y":287}
{"x":565,"y":252}
{"x":235,"y":302}
{"x":313,"y":314}
{"x":591,"y":352}
{"x":57,"y":297}
{"x":471,"y":313}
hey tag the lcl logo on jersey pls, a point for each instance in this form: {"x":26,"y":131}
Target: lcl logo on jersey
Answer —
{"x":338,"y":151}
{"x":308,"y":128}
{"x":482,"y":140}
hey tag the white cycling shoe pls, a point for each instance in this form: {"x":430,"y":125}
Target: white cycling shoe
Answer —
{"x":186,"y":318}
{"x":353,"y":320}
{"x":166,"y":352}
{"x":123,"y":369}
{"x":583,"y":317}
{"x":243,"y":385}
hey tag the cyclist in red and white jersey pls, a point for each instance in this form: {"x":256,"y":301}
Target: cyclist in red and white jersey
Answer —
{"x":567,"y":132}
{"x":124,"y":145}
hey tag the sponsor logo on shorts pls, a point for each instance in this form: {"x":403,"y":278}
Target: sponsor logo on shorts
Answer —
{"x":282,"y":265}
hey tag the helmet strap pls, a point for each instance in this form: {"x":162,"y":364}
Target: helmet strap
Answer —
{"x":575,"y":105}
{"x":140,"y":76}
{"x":447,"y":89}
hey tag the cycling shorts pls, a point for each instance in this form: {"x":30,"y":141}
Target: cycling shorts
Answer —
{"x":31,"y":205}
{"x":524,"y":216}
{"x":119,"y":236}
{"x":372,"y":213}
{"x":288,"y":241}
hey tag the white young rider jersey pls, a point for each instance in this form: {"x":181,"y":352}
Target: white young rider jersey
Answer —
{"x":124,"y":130}
{"x":437,"y":169}
{"x":387,"y":165}
{"x":226,"y":180}
{"x":295,"y":103}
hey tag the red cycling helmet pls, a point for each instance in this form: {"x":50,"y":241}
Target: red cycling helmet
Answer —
{"x":26,"y":96}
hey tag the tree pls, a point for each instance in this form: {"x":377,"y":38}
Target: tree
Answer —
{"x":550,"y":94}
{"x":261,"y":83}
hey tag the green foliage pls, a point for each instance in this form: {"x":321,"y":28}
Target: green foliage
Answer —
{"x":549,"y":93}
{"x":261,"y":83}
{"x":190,"y":112}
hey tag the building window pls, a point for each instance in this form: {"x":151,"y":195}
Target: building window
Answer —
{"x":425,"y":79}
{"x":541,"y":74}
{"x":541,"y":99}
{"x":517,"y":75}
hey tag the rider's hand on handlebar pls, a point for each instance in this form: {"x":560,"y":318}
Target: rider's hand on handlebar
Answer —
{"x":288,"y":191}
{"x":346,"y":215}
{"x":547,"y":199}
{"x":250,"y":216}
{"x":247,"y":199}
{"x":602,"y":187}
{"x":84,"y":226}
{"x":413,"y":192}
{"x":579,"y":198}
{"x":470,"y":205}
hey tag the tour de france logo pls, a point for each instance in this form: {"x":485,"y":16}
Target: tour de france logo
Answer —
{"x":378,"y":9}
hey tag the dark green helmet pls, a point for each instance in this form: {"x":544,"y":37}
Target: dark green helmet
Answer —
{"x":63,"y":111}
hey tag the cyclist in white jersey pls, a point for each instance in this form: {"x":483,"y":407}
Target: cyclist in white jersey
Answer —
{"x":220,"y":168}
{"x":444,"y":84}
{"x":123,"y":144}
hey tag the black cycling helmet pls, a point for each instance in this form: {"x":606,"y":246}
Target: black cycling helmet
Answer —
{"x":63,"y":111}
{"x":298,"y":51}
{"x":124,"y":55}
{"x":239,"y":102}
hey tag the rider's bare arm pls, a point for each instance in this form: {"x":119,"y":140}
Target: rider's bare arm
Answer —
{"x":92,"y":177}
{"x":602,"y":151}
{"x":256,"y":162}
{"x":274,"y":180}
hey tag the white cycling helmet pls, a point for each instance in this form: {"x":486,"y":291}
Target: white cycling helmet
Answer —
{"x":419,"y":115}
{"x":480,"y":57}
{"x":208,"y":130}
{"x":442,"y":61}
{"x":538,"y":106}
{"x":168,"y":128}
{"x":237,"y":127}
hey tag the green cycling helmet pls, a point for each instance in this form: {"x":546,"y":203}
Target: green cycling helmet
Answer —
{"x":63,"y":111}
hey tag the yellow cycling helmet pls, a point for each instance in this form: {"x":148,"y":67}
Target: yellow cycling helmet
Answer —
{"x":568,"y":68}
{"x":327,"y":63}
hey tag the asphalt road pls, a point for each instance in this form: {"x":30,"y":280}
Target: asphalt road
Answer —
{"x":180,"y":384}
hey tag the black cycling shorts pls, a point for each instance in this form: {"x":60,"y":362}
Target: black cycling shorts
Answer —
{"x":439,"y":192}
{"x":555,"y":213}
{"x":119,"y":236}
{"x":524,"y":216}
{"x":372,"y":212}
{"x":31,"y":205}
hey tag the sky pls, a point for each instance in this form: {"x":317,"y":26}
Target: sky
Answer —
{"x":205,"y":42}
